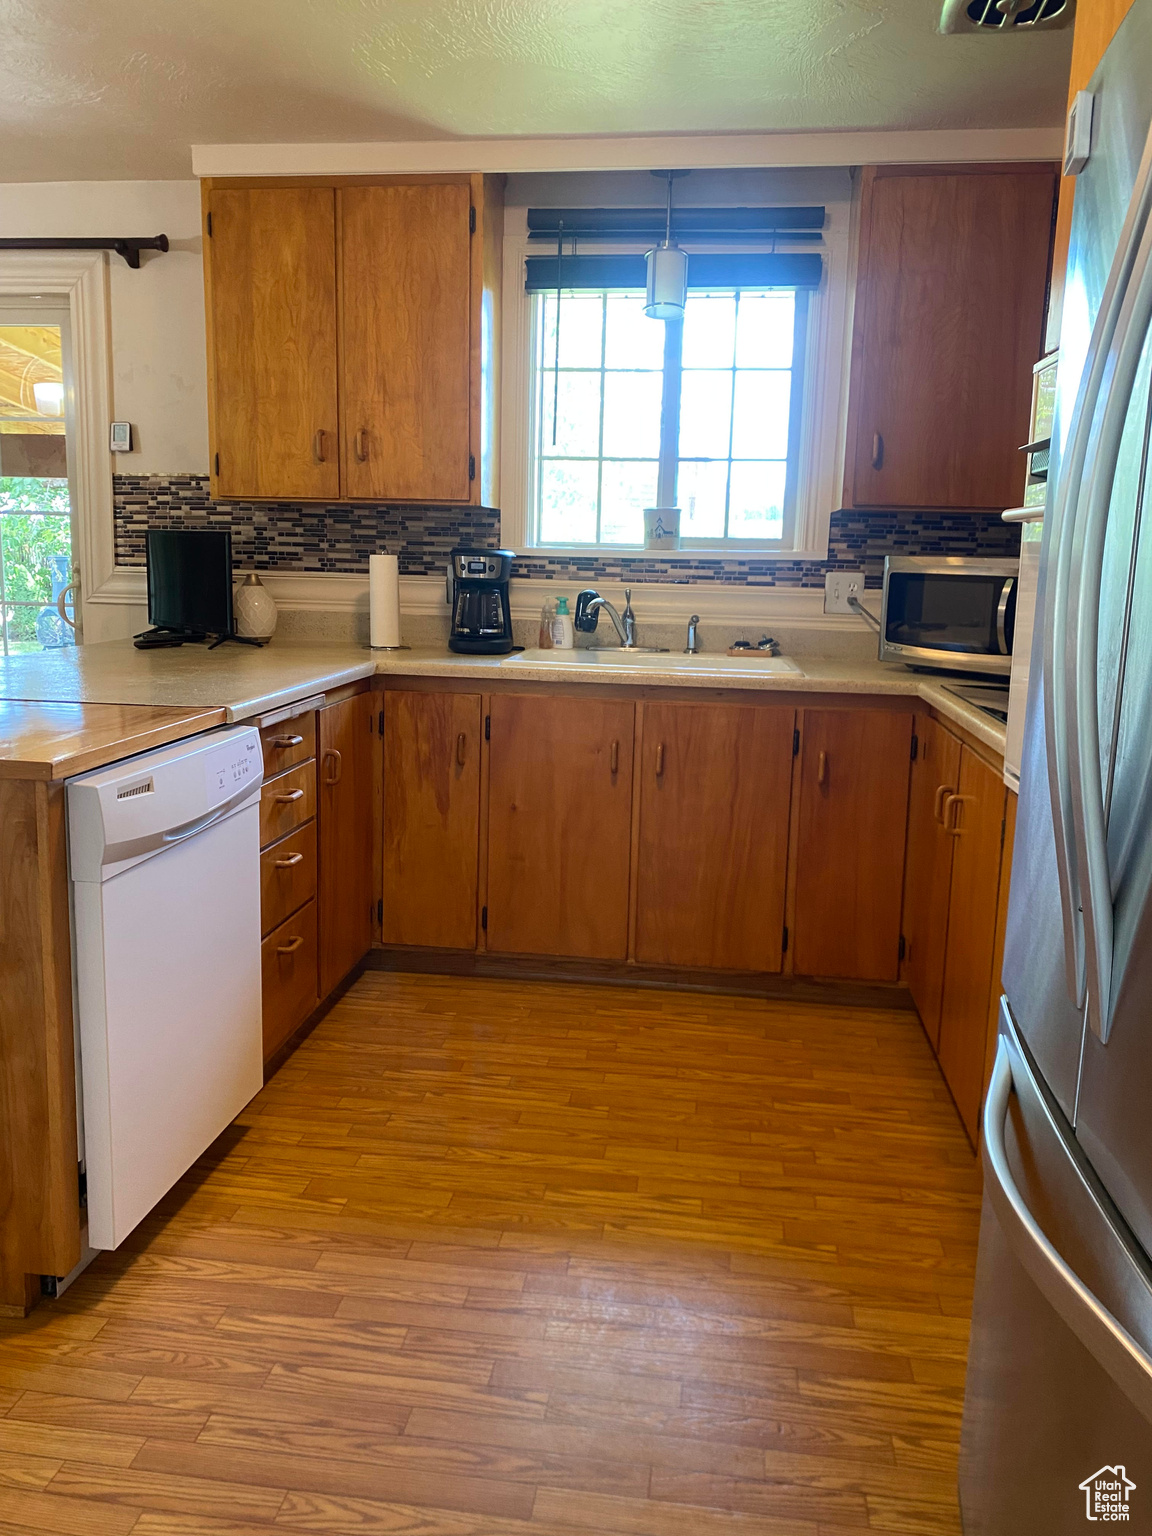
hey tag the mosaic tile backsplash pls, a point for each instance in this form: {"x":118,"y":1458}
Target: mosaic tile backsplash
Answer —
{"x":307,"y":537}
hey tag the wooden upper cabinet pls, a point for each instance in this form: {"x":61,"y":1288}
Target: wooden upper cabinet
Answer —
{"x":850,"y":842}
{"x":559,"y":826}
{"x":975,"y":818}
{"x":346,"y":758}
{"x":928,"y":873}
{"x":406,"y":326}
{"x":270,"y":279}
{"x":431,"y":818}
{"x":949,"y":316}
{"x":713,"y":846}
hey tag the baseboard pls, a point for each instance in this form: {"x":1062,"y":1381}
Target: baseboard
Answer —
{"x":799,"y":989}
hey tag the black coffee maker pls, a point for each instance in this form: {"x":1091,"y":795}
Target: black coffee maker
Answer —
{"x":478,"y":594}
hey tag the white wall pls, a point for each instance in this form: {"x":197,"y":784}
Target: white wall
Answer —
{"x":159,"y":372}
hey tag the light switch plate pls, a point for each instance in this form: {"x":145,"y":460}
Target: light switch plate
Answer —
{"x":839,"y":586}
{"x":1078,"y":135}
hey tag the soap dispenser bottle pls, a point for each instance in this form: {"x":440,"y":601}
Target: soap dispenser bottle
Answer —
{"x":563,"y":634}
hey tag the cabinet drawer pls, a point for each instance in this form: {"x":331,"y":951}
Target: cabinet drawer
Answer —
{"x":287,"y":802}
{"x":288,"y":742}
{"x":287,"y":876}
{"x":288,"y":966}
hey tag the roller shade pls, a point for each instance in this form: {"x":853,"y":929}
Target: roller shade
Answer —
{"x":689,"y":225}
{"x":756,"y":269}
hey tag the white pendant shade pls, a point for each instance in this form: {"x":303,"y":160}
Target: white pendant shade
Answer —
{"x":667,"y":282}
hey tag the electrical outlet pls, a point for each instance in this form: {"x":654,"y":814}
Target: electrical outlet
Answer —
{"x":839,"y":586}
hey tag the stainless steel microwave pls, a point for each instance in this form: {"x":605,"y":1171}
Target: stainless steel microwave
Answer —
{"x":949,"y":613}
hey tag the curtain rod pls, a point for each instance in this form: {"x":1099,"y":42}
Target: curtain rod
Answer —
{"x":128,"y":246}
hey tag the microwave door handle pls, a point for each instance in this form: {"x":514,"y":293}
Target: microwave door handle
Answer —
{"x":1002,"y":615}
{"x":1102,"y":1334}
{"x":1057,"y":681}
{"x":1090,"y":818}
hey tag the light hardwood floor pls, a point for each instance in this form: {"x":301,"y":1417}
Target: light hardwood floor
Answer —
{"x":529,"y":1259}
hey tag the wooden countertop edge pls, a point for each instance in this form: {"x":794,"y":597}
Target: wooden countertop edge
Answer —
{"x":68,"y":761}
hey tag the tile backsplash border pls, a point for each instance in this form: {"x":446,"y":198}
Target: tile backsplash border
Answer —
{"x":306,"y":537}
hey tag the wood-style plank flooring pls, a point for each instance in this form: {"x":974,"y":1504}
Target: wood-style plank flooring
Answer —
{"x":529,"y":1259}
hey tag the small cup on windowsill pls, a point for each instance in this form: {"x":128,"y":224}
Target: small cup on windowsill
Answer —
{"x":661,"y":527}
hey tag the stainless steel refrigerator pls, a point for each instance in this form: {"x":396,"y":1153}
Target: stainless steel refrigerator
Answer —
{"x":1058,"y":1408}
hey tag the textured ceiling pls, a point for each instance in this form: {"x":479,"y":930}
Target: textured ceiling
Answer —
{"x":121,"y":88}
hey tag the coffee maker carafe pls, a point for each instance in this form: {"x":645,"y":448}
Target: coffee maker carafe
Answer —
{"x":478,"y":592}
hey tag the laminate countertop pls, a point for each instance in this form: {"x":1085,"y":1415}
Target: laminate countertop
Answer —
{"x":51,"y":741}
{"x":242,"y":681}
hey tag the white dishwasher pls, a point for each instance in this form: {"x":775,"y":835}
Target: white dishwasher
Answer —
{"x":164,"y":856}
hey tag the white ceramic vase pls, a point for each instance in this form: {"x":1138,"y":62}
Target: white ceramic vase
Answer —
{"x":254,"y":609}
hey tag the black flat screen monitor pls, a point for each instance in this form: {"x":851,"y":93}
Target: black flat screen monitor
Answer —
{"x":190,"y":580}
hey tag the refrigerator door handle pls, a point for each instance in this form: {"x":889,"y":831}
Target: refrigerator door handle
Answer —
{"x":1058,"y":675}
{"x":1097,"y":1329}
{"x":1090,"y":819}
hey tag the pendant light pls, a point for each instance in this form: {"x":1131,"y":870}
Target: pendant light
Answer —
{"x":667,"y":267}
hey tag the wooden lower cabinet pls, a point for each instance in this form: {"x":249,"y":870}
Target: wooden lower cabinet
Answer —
{"x":854,"y":766}
{"x":928,"y":873}
{"x":975,"y":820}
{"x":346,"y":757}
{"x":431,"y":818}
{"x":289,"y":976}
{"x":714,"y":802}
{"x":559,"y":826}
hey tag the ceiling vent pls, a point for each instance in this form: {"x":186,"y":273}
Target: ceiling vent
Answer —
{"x":1005,"y":15}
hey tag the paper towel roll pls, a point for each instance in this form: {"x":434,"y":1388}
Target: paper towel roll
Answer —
{"x":384,"y":600}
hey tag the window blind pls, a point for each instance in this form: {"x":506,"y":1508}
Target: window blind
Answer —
{"x":752,"y":269}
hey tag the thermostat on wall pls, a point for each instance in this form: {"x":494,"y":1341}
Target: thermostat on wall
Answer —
{"x":120,"y":437}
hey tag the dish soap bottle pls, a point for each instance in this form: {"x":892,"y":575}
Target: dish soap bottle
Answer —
{"x":563,"y":634}
{"x":547,"y":619}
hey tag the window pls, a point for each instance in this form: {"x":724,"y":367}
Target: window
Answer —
{"x":35,"y":501}
{"x":704,"y":415}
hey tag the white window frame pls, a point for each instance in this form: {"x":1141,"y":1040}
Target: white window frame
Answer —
{"x":821,"y":453}
{"x":80,"y":279}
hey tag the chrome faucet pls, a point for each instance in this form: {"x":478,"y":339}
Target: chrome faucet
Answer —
{"x":588,"y":606}
{"x":693,"y":646}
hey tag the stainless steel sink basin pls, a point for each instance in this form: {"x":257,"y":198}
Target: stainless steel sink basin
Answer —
{"x":618,"y":659}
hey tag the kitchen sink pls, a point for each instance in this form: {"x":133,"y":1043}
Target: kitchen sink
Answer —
{"x":613,"y":658}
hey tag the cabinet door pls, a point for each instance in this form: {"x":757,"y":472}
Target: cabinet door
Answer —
{"x":976,"y":820}
{"x":949,"y":311}
{"x":345,"y":816}
{"x":928,"y":869}
{"x":405,"y":271}
{"x":850,"y":847}
{"x":431,"y":818}
{"x":270,"y":274}
{"x":713,"y":849}
{"x":559,"y":826}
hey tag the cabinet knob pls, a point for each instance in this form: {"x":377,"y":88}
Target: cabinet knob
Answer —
{"x":461,"y":748}
{"x":318,"y":446}
{"x":822,"y":768}
{"x":336,"y":768}
{"x":877,"y":451}
{"x":360,"y":446}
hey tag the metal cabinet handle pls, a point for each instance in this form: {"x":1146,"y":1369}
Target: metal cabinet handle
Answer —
{"x":287,"y":796}
{"x":1102,"y":1334}
{"x":318,"y":452}
{"x":614,"y":758}
{"x":288,"y":860}
{"x":660,"y":761}
{"x":291,"y":947}
{"x":822,"y":768}
{"x":1002,"y":615}
{"x":360,"y":446}
{"x":877,"y":451}
{"x":285,"y":741}
{"x":331,"y":755}
{"x":941,"y":791}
